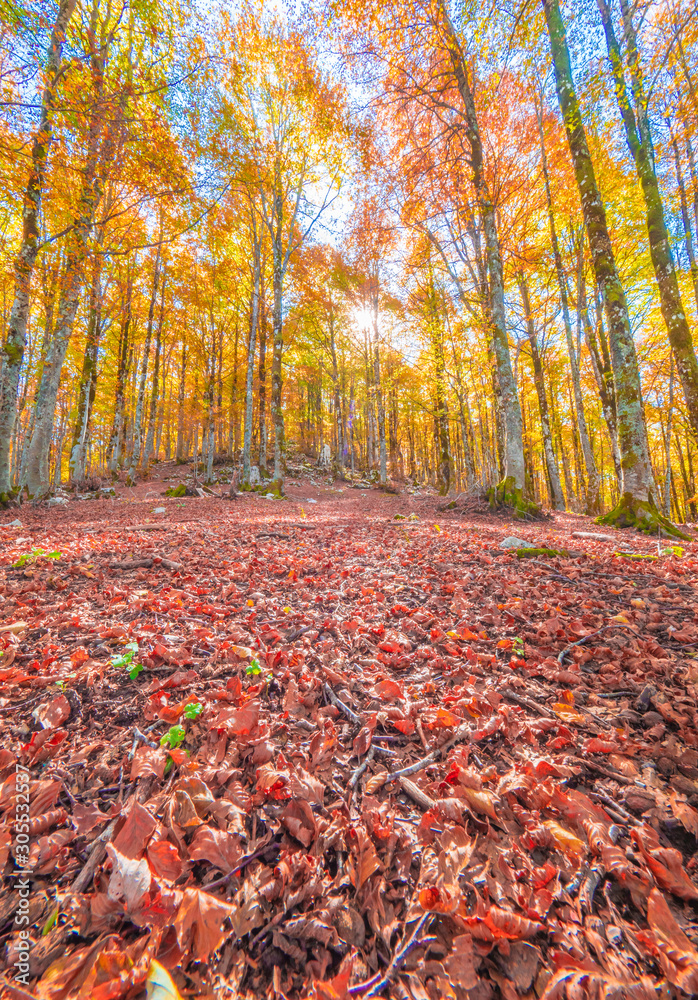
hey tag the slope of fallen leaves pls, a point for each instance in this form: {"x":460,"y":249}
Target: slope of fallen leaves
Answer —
{"x":363,"y":756}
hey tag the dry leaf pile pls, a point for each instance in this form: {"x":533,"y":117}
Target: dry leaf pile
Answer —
{"x":361,"y":757}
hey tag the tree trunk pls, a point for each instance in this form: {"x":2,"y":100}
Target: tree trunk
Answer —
{"x":592,"y":504}
{"x":154,"y":394}
{"x":179,"y":453}
{"x":512,"y":488}
{"x":685,"y":218}
{"x":637,"y":132}
{"x":117,"y":433}
{"x":553,"y":476}
{"x":140,"y":401}
{"x":88,"y":380}
{"x":637,"y":505}
{"x":13,"y":348}
{"x":249,"y":384}
{"x":380,"y":408}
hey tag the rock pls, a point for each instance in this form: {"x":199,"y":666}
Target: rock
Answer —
{"x":58,"y":502}
{"x":350,"y":926}
{"x":325,"y":459}
{"x":642,"y":702}
{"x":638,"y":801}
{"x":650,"y":719}
{"x":159,"y":510}
{"x":627,"y":715}
{"x":514,"y":543}
{"x":666,"y":766}
{"x":13,"y":524}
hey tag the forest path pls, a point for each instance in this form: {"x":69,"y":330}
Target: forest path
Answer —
{"x":328,"y":644}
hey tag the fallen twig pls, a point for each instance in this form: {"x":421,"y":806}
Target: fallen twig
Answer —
{"x":99,"y":849}
{"x":528,"y":703}
{"x":604,"y":628}
{"x":373,"y":986}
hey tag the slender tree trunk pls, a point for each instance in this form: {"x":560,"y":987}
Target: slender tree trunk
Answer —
{"x":140,"y":401}
{"x":249,"y":385}
{"x":685,"y":218}
{"x":637,"y":506}
{"x":592,"y":504}
{"x":433,"y":319}
{"x":553,"y":476}
{"x":512,"y":488}
{"x":637,"y":132}
{"x":179,"y":453}
{"x":13,"y":348}
{"x":88,"y":380}
{"x":262,"y":378}
{"x":380,"y":408}
{"x":152,"y":414}
{"x":117,"y":433}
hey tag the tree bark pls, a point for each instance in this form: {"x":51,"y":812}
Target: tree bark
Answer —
{"x":557,"y":498}
{"x":88,"y":380}
{"x":138,"y":443}
{"x":251,"y":342}
{"x":511,"y":489}
{"x":637,"y":505}
{"x":13,"y":348}
{"x":637,"y":132}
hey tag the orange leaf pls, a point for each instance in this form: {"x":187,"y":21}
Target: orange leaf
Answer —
{"x":199,"y":923}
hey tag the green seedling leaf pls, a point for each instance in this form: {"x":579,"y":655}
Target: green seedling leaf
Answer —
{"x":174,"y":737}
{"x":135,"y":671}
{"x":53,"y":555}
{"x":50,"y":923}
{"x":518,"y":646}
{"x":193,"y":711}
{"x":253,"y":668}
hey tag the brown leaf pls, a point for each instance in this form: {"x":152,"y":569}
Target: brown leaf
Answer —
{"x":221,"y":849}
{"x":364,"y":860}
{"x":148,"y":761}
{"x":164,"y":860}
{"x":675,"y":953}
{"x":298,"y":819}
{"x":460,"y":964}
{"x":199,"y":923}
{"x":685,"y":814}
{"x":136,"y":832}
{"x":52,"y":714}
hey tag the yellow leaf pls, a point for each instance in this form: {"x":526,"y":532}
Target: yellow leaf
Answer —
{"x":637,"y":602}
{"x":437,"y":528}
{"x":287,"y":611}
{"x":159,"y":984}
{"x":250,"y":604}
{"x":375,"y":782}
{"x":480,"y":800}
{"x":565,"y":839}
{"x":621,"y":619}
{"x":567,"y":713}
{"x":303,"y":514}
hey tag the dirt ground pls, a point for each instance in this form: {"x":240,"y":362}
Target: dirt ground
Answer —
{"x":345,"y":744}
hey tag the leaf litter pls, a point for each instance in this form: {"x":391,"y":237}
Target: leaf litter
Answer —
{"x":335,"y":758}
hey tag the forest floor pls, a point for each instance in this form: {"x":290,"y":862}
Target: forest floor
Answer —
{"x":361,"y":757}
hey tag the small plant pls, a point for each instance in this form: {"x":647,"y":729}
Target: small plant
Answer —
{"x":126,"y":660}
{"x":517,"y":647}
{"x":31,"y":557}
{"x":194,"y":710}
{"x":253,"y":668}
{"x":174,"y":737}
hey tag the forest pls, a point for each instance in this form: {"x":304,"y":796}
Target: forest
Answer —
{"x":348,"y":499}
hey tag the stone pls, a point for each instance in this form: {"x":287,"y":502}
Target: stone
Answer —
{"x":13,"y":524}
{"x":650,"y":719}
{"x":514,"y":543}
{"x":58,"y":502}
{"x":159,"y":510}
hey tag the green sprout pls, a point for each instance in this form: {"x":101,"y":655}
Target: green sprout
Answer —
{"x":174,"y":737}
{"x":126,"y":660}
{"x":253,"y":668}
{"x":31,"y":557}
{"x":193,"y":710}
{"x":518,"y":646}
